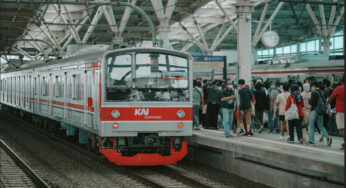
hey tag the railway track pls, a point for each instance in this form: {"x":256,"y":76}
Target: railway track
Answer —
{"x":164,"y":176}
{"x":14,"y":172}
{"x":148,"y":176}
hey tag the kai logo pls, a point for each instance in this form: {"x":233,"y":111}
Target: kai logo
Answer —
{"x":141,"y":112}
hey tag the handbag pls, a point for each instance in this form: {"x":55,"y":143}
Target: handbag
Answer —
{"x":292,"y":112}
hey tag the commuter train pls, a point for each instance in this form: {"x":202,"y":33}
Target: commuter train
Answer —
{"x":328,"y":69}
{"x":133,"y":105}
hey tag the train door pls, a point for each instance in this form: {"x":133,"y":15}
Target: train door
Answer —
{"x":86,"y":98}
{"x":96,"y":97}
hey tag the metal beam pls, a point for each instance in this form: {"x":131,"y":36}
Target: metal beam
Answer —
{"x":224,"y":35}
{"x":226,"y":15}
{"x":254,"y":43}
{"x":86,"y":3}
{"x":331,"y":17}
{"x":337,"y":20}
{"x":158,"y":8}
{"x":201,"y":34}
{"x":125,"y":18}
{"x":70,"y":22}
{"x":54,"y":42}
{"x":199,"y":44}
{"x":72,"y":27}
{"x":94,"y":22}
{"x":323,"y":20}
{"x":260,"y":22}
{"x":71,"y":37}
{"x":313,"y":2}
{"x":169,"y":9}
{"x":314,"y":19}
{"x":19,"y":50}
{"x":108,"y":12}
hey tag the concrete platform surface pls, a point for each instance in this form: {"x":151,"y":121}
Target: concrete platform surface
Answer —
{"x":318,"y":165}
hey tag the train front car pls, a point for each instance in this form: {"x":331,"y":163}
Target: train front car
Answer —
{"x":146,"y":110}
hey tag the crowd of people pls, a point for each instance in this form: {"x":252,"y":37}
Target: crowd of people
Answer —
{"x":239,"y":108}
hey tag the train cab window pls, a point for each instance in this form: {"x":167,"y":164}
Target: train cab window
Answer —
{"x":118,"y":78}
{"x":77,"y":91}
{"x":44,"y":86}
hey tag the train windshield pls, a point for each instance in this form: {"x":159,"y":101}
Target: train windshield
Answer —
{"x":147,"y":77}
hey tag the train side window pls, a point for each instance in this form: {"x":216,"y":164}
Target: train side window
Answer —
{"x":44,"y":86}
{"x":76,"y":84}
{"x":58,"y":87}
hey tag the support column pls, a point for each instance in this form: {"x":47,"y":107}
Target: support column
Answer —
{"x":326,"y":45}
{"x":164,"y":34}
{"x":244,"y":9}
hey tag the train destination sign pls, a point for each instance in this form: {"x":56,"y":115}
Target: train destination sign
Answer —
{"x":202,"y":61}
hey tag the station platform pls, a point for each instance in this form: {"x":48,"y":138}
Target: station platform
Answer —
{"x":267,"y":159}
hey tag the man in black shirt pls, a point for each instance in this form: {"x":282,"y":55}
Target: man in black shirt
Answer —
{"x":213,"y":105}
{"x":227,"y":105}
{"x":244,"y":107}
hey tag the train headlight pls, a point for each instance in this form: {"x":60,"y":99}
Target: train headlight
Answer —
{"x":181,"y":114}
{"x":115,"y":113}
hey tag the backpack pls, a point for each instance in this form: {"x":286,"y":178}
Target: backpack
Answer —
{"x":320,"y":108}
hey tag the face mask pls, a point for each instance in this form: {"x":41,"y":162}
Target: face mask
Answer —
{"x":230,"y":86}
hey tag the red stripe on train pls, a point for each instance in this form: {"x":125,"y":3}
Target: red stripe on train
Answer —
{"x":146,"y":114}
{"x":285,"y":72}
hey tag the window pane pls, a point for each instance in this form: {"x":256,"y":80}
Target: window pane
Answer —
{"x":271,"y":52}
{"x":317,"y":45}
{"x":259,"y":52}
{"x":294,"y":48}
{"x":279,"y":50}
{"x":303,"y":47}
{"x":287,"y":50}
{"x":265,"y":52}
{"x":311,"y":46}
{"x":338,"y":42}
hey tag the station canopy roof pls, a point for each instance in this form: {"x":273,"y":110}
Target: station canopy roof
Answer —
{"x":35,"y":28}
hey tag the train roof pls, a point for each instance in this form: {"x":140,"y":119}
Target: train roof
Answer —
{"x":92,"y":54}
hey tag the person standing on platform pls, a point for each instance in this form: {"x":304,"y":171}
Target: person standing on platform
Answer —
{"x":197,"y":103}
{"x":260,"y":103}
{"x":306,"y":94}
{"x":244,"y":107}
{"x":279,"y":109}
{"x":297,"y":100}
{"x":272,"y":100}
{"x":213,"y":105}
{"x":318,"y":109}
{"x":227,"y":104}
{"x":339,"y":95}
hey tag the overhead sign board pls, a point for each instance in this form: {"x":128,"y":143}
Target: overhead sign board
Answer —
{"x":203,"y":61}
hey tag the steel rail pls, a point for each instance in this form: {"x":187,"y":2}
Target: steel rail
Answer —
{"x":96,"y":3}
{"x":38,"y":181}
{"x":123,"y":170}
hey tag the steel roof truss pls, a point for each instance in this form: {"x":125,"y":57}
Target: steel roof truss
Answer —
{"x":276,"y":11}
{"x":323,"y":20}
{"x":314,"y":19}
{"x":224,"y":35}
{"x":94,"y":22}
{"x":125,"y":18}
{"x":226,"y":15}
{"x":331,"y":18}
{"x":337,"y":20}
{"x":72,"y":27}
{"x":259,"y":26}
